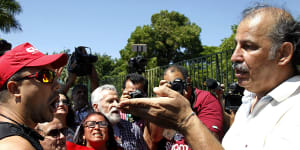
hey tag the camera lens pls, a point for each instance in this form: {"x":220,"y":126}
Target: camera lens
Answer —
{"x":136,"y":94}
{"x":178,"y":85}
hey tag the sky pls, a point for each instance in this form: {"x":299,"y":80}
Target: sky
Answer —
{"x":105,"y":25}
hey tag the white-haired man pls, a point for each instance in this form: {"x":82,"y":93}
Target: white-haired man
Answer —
{"x":128,"y":135}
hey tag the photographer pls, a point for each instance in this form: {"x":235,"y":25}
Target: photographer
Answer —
{"x":134,"y":86}
{"x":216,"y":89}
{"x":81,"y":64}
{"x":205,"y":106}
{"x":230,"y":101}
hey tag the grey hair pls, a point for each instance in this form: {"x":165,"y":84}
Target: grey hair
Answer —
{"x":285,"y":29}
{"x":96,"y":96}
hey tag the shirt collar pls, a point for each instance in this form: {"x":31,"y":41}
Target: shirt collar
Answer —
{"x":285,"y":89}
{"x":280,"y":93}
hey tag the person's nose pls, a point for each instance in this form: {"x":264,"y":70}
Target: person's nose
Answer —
{"x":60,"y":103}
{"x":237,"y":55}
{"x":61,"y":136}
{"x":115,"y":103}
{"x":97,"y":126}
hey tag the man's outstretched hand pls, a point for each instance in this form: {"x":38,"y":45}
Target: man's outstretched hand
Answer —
{"x":168,"y":110}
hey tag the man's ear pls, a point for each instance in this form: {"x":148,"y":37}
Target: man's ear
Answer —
{"x":285,"y":53}
{"x":95,"y":107}
{"x":12,"y":87}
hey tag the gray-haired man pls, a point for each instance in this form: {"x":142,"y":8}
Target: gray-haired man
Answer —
{"x":128,"y":135}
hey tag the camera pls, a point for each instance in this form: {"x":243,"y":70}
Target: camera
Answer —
{"x":178,"y":85}
{"x":233,"y":99}
{"x":80,"y":62}
{"x":137,"y":94}
{"x":137,"y":64}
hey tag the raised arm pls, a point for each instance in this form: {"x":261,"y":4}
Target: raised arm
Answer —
{"x":172,"y":110}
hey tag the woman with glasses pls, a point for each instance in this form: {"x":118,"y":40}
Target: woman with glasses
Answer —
{"x":64,"y":112}
{"x":96,"y":132}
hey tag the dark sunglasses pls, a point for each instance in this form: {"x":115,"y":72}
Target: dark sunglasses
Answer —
{"x":56,"y":132}
{"x":44,"y":76}
{"x":65,"y":102}
{"x":92,"y":124}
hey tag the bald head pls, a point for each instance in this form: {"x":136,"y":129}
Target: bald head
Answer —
{"x":272,"y":12}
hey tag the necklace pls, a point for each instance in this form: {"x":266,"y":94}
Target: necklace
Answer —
{"x":12,"y":120}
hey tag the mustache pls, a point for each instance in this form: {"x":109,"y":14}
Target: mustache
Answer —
{"x":239,"y":66}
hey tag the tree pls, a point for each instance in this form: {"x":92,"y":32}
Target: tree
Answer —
{"x":207,"y":50}
{"x":229,"y":43}
{"x":170,"y":37}
{"x":8,"y":10}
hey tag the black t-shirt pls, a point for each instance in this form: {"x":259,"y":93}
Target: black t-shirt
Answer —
{"x":9,"y":129}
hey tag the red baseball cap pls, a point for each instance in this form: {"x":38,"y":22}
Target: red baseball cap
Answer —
{"x":25,"y":55}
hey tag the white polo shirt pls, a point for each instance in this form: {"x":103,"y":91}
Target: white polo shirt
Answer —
{"x":273,"y":124}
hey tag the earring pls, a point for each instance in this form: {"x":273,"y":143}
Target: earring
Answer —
{"x":83,"y":142}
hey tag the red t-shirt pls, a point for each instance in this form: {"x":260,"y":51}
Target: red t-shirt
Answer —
{"x":73,"y":146}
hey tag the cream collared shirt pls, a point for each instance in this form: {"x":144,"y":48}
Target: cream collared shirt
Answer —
{"x":273,"y":124}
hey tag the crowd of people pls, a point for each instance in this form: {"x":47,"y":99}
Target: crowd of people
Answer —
{"x":36,"y":112}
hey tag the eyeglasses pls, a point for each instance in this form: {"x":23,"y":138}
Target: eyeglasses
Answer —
{"x":56,"y":132}
{"x":92,"y":124}
{"x":65,"y":102}
{"x":44,"y":76}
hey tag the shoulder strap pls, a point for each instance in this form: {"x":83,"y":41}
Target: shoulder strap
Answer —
{"x":9,"y":129}
{"x":193,"y":99}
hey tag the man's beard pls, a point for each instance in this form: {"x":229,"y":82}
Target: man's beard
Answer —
{"x":112,"y":116}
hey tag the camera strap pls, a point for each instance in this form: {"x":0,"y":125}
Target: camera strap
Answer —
{"x":193,"y":100}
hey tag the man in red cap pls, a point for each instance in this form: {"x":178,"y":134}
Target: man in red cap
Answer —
{"x":28,"y":85}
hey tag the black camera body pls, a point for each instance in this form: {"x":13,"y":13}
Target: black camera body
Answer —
{"x":137,"y":94}
{"x":178,"y":85}
{"x":233,"y":99}
{"x":80,"y":62}
{"x":137,"y":64}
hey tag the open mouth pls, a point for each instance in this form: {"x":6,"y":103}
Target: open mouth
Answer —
{"x":115,"y":111}
{"x":98,"y":134}
{"x":240,"y":73}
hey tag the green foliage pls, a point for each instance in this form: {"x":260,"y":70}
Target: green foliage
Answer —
{"x":8,"y":10}
{"x":209,"y":50}
{"x":170,"y":38}
{"x":229,"y":43}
